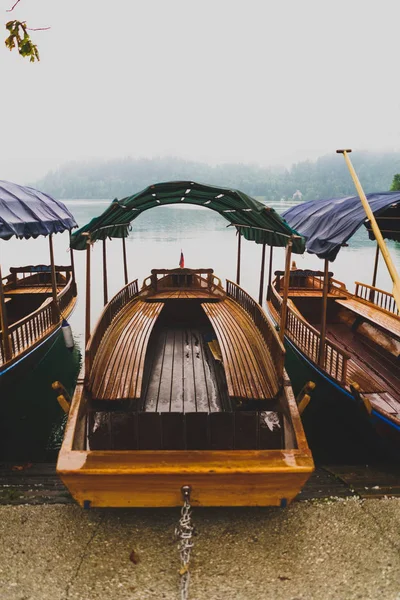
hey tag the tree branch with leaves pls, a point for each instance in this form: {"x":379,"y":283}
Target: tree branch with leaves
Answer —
{"x":19,"y":37}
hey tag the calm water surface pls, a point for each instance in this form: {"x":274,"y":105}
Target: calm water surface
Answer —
{"x":156,"y":240}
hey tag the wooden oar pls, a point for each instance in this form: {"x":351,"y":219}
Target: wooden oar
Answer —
{"x":375,"y":228}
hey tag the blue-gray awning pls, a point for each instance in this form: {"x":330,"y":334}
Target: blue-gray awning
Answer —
{"x":328,"y":224}
{"x":26,"y":212}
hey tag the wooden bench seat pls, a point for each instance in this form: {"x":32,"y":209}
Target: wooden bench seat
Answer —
{"x":117,"y":370}
{"x":249,"y":370}
{"x":373,"y":315}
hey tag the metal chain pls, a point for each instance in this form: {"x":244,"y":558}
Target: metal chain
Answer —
{"x":184,"y":535}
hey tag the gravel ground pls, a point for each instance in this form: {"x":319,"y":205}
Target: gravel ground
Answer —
{"x":325,"y":550}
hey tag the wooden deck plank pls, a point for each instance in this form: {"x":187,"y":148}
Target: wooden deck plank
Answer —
{"x":43,"y":289}
{"x":248,"y":365}
{"x":153,"y":387}
{"x":182,"y":294}
{"x":373,"y":315}
{"x":117,"y":370}
{"x":179,"y":378}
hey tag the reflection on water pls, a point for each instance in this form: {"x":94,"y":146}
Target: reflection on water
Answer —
{"x":156,"y":240}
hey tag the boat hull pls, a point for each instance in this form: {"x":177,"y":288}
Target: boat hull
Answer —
{"x":154,"y":478}
{"x":335,"y":424}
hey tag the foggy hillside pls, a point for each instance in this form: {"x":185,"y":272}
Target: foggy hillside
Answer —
{"x":326,"y":177}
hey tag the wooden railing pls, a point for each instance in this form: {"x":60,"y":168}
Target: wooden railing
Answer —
{"x":121,"y":298}
{"x":172,"y":279}
{"x":66,"y":295}
{"x":307,"y":339}
{"x":262,"y":322}
{"x":30,"y":329}
{"x":380,"y":298}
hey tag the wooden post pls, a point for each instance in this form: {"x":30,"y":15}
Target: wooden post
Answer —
{"x":372,"y":292}
{"x":285,"y":290}
{"x":105,"y":282}
{"x":71,"y":252}
{"x":321,"y":358}
{"x":271,"y":252}
{"x":260,"y":296}
{"x":125,"y":262}
{"x":56,"y":312}
{"x":238,"y":256}
{"x":7,"y":349}
{"x":87,"y":316}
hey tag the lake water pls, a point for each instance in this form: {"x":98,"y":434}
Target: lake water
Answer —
{"x":156,"y":240}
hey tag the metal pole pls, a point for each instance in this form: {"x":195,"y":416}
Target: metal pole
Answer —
{"x":105,"y":282}
{"x":375,"y":228}
{"x":56,"y":312}
{"x":321,"y":358}
{"x":260,"y":297}
{"x":238,"y":256}
{"x":7,"y":349}
{"x":285,"y":290}
{"x":125,"y":261}
{"x":87,"y":315}
{"x":271,"y":254}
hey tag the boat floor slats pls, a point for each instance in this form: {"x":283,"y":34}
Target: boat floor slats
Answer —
{"x":240,"y":430}
{"x":182,"y":294}
{"x":373,"y":315}
{"x":249,"y":370}
{"x":301,"y":292}
{"x":371,"y":371}
{"x":181,"y":377}
{"x":39,"y":289}
{"x":117,"y":370}
{"x":385,"y":402}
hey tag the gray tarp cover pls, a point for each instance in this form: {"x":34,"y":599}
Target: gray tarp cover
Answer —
{"x":26,"y":212}
{"x":327,"y":224}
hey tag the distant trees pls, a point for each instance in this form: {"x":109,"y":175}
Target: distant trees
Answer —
{"x":325,"y":178}
{"x":395,"y":187}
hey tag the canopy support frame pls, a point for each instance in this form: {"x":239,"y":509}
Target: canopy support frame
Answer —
{"x":125,"y":261}
{"x":239,"y":256}
{"x":87,"y":308}
{"x":321,"y":357}
{"x":372,"y":292}
{"x":261,"y":293}
{"x":7,"y":348}
{"x":105,"y":277}
{"x":55,"y":307}
{"x":285,"y":290}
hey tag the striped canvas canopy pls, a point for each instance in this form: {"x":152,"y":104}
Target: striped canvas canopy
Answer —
{"x":256,"y":221}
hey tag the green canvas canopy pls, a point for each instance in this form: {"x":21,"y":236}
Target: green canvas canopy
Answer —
{"x":257,"y":222}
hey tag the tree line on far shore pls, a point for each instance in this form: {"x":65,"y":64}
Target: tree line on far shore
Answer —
{"x":327,"y":177}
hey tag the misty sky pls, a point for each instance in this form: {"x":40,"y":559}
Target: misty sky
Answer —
{"x":212,"y":80}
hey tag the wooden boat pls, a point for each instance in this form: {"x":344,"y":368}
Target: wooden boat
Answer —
{"x":359,"y":356}
{"x":184,"y":385}
{"x":34,"y":299}
{"x":350,"y":341}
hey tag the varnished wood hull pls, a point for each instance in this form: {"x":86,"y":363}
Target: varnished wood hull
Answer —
{"x":155,"y":478}
{"x":334,"y":416}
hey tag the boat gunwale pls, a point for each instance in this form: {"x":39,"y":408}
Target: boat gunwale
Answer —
{"x":5,"y":366}
{"x":205,"y":461}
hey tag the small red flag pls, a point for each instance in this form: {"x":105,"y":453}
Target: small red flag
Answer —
{"x":181,"y":261}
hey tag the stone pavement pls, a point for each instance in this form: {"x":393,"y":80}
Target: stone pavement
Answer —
{"x":324,"y":550}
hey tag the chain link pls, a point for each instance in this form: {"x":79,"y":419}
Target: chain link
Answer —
{"x":184,"y":535}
